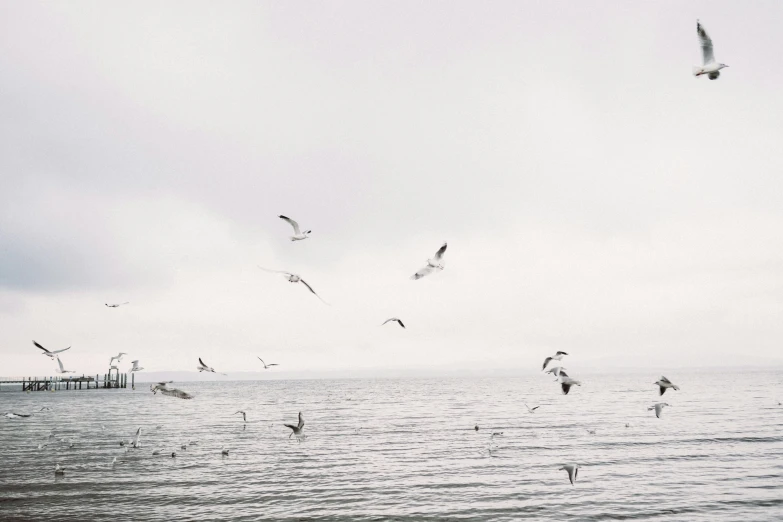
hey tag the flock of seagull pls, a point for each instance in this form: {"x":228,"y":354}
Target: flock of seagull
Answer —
{"x":710,"y":67}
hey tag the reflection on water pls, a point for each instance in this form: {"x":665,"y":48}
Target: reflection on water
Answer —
{"x":401,"y":448}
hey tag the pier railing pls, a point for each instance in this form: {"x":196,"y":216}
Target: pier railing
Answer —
{"x":52,"y":383}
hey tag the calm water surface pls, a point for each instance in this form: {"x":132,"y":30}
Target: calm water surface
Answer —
{"x":716,"y":454}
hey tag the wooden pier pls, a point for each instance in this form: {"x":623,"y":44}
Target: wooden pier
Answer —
{"x":108,"y":381}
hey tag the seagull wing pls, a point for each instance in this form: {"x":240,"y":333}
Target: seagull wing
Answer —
{"x":658,"y":409}
{"x":301,"y":420}
{"x":386,"y":321}
{"x":566,"y":388}
{"x":311,"y":289}
{"x":41,"y":347}
{"x":273,"y":364}
{"x":61,"y":351}
{"x":561,"y":353}
{"x":202,"y":363}
{"x":534,"y":408}
{"x":62,"y":370}
{"x":546,"y":361}
{"x":664,"y":379}
{"x":174,"y":392}
{"x":427,"y":270}
{"x":275,"y":271}
{"x":663,"y":390}
{"x":400,"y":323}
{"x":262,"y":361}
{"x":292,"y":223}
{"x":136,"y":438}
{"x":706,"y":44}
{"x":440,"y":252}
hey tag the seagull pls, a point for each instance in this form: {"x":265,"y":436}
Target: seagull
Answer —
{"x":476,"y":427}
{"x":393,"y":319}
{"x":566,"y":383}
{"x":298,"y":236}
{"x":204,"y":368}
{"x":16,"y":415}
{"x":658,"y":408}
{"x":531,"y":410}
{"x":266,"y":366}
{"x":296,"y":430}
{"x":666,"y":383}
{"x":113,"y":462}
{"x":710,"y":67}
{"x":173,"y":454}
{"x":48,"y":353}
{"x":58,"y":470}
{"x":224,"y":452}
{"x":556,"y":357}
{"x":135,"y":442}
{"x":591,"y":432}
{"x":294,"y":278}
{"x":62,"y":369}
{"x":497,"y":434}
{"x":172,"y":392}
{"x":118,"y":357}
{"x":136,"y":367}
{"x":244,"y":417}
{"x":116,"y":305}
{"x":572,"y":470}
{"x":45,"y":408}
{"x":556,"y":371}
{"x":156,"y":452}
{"x":436,"y":263}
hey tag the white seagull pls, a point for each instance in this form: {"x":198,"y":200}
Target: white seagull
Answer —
{"x":572,"y":470}
{"x":49,"y":353}
{"x":664,"y":383}
{"x":296,"y":430}
{"x":266,"y":366}
{"x":658,"y":408}
{"x":58,"y":471}
{"x":171,"y":392}
{"x":136,"y":367}
{"x":135,"y":443}
{"x":566,"y":382}
{"x":244,"y":415}
{"x":204,"y":368}
{"x":556,"y":357}
{"x":118,"y":357}
{"x":294,"y":278}
{"x":556,"y":370}
{"x":298,"y":236}
{"x":436,"y":263}
{"x":62,"y":369}
{"x":531,"y":410}
{"x":224,"y":452}
{"x":117,"y":305}
{"x":393,"y":319}
{"x":710,"y":67}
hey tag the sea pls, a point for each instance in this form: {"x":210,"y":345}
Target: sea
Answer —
{"x":402,"y":449}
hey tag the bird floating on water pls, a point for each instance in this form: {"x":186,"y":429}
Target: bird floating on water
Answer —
{"x":658,"y":408}
{"x":58,"y":470}
{"x":664,"y":383}
{"x":16,"y":415}
{"x":50,"y":353}
{"x":224,"y":452}
{"x":266,"y":366}
{"x":572,"y":470}
{"x":394,"y":319}
{"x":296,"y":430}
{"x":294,"y":278}
{"x":436,"y":263}
{"x":556,"y":357}
{"x":62,"y":368}
{"x":298,"y":236}
{"x":117,"y":305}
{"x":709,"y":66}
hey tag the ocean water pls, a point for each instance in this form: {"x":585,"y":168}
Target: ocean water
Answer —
{"x":716,"y":454}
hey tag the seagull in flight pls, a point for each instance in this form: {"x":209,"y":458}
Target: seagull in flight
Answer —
{"x":393,"y":319}
{"x":298,"y":235}
{"x":556,"y":357}
{"x":16,"y":415}
{"x":531,"y":410}
{"x":49,"y":353}
{"x":244,"y":416}
{"x":658,"y":408}
{"x":118,"y":357}
{"x":709,"y":66}
{"x":204,"y":368}
{"x":566,"y":382}
{"x":62,"y":369}
{"x":556,"y":371}
{"x":171,"y":392}
{"x":136,"y":367}
{"x":296,"y":430}
{"x":664,"y":383}
{"x":436,"y":263}
{"x":572,"y":470}
{"x":294,"y":278}
{"x":117,"y":305}
{"x":266,"y":366}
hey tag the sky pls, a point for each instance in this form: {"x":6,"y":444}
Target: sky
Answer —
{"x":596,"y":197}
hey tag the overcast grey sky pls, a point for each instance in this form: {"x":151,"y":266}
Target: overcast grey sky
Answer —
{"x":596,"y":197}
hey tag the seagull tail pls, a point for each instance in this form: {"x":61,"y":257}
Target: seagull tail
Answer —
{"x":697,"y":71}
